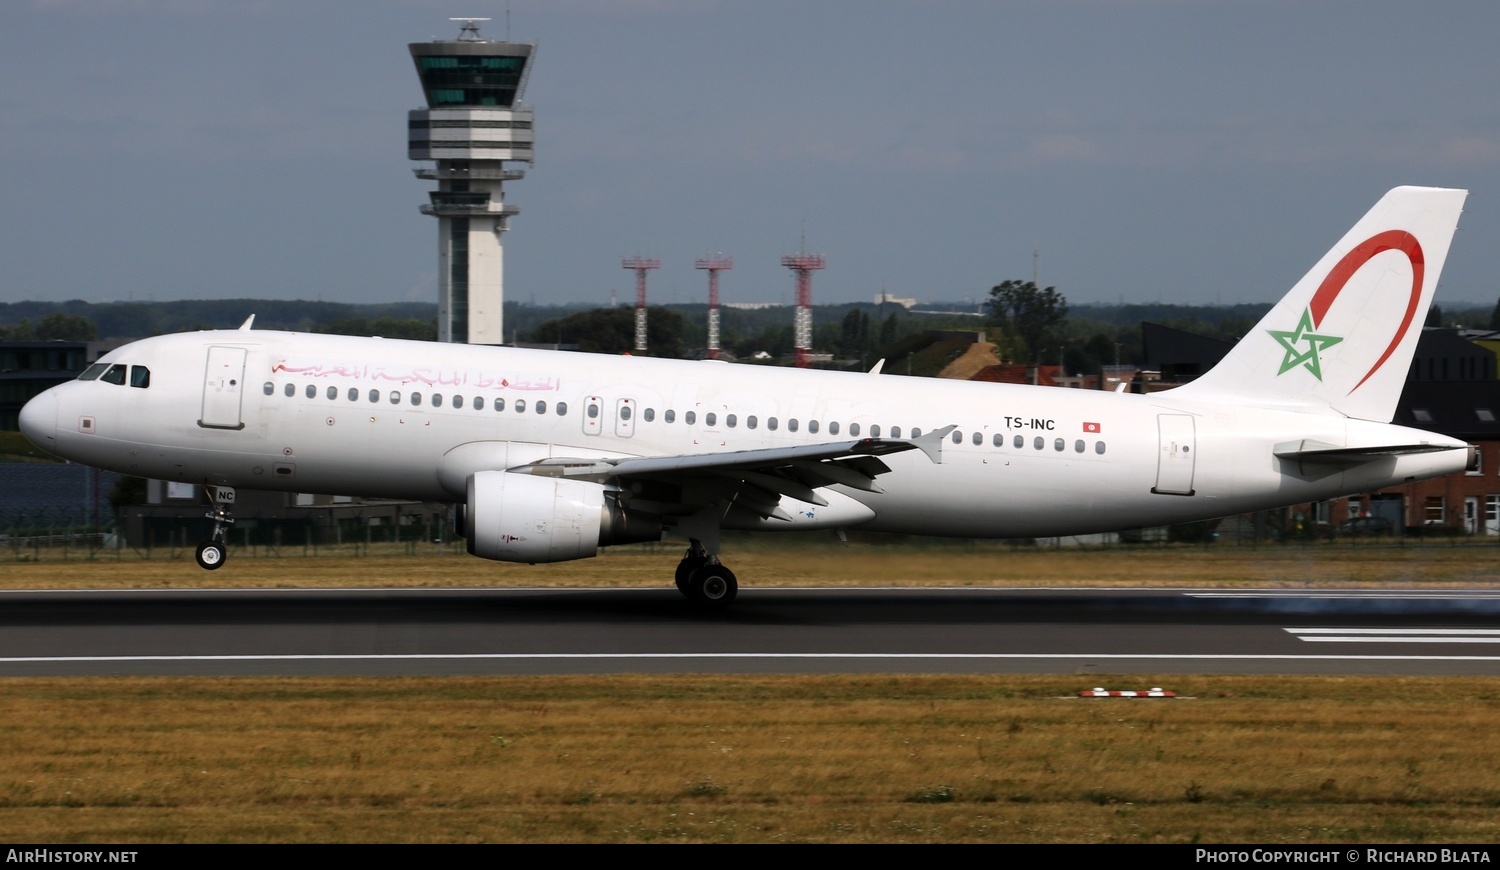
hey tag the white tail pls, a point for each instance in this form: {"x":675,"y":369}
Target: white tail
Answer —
{"x":1343,"y":338}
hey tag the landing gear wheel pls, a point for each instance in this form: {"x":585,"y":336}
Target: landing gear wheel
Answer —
{"x":713,"y":585}
{"x":211,"y":555}
{"x":685,"y":570}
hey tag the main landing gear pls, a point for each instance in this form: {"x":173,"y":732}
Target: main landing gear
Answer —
{"x":703,"y":579}
{"x":212,"y":553}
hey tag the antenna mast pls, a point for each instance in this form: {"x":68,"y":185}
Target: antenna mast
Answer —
{"x":641,"y":266}
{"x":714,"y":265}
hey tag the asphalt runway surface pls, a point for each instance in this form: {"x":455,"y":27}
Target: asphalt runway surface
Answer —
{"x":598,"y":631}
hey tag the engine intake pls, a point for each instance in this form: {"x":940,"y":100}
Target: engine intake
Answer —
{"x":513,"y":517}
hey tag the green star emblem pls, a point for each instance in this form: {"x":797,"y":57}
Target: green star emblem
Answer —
{"x":1307,"y":358}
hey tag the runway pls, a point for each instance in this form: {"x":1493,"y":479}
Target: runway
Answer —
{"x":594,"y":631}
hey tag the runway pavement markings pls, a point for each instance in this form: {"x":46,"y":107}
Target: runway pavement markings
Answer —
{"x":1396,"y":635}
{"x":1415,"y":595}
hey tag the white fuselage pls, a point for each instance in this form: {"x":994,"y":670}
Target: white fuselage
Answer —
{"x":359,"y":416}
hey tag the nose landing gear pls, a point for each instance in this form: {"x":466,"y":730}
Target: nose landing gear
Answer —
{"x":212,"y":553}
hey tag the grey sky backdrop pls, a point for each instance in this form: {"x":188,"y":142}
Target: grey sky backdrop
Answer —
{"x":1153,"y":150}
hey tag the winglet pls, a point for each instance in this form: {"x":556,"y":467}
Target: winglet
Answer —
{"x":879,"y":364}
{"x":932,"y":443}
{"x":249,"y":321}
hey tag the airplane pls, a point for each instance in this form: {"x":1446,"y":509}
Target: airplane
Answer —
{"x":548,"y":456}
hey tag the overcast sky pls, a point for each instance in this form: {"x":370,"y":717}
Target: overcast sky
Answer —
{"x":1150,"y":150}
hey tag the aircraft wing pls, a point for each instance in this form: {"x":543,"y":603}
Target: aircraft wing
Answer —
{"x":751,"y":479}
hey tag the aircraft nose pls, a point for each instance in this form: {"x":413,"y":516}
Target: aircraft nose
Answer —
{"x":39,"y":420}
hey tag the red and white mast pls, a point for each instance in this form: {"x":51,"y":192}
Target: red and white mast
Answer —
{"x":714,"y":265}
{"x":641,"y":265}
{"x":804,"y":265}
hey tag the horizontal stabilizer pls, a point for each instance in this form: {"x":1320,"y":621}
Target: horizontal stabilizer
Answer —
{"x":1310,"y":451}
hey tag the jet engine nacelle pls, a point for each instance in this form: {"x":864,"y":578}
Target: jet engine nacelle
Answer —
{"x":513,"y":517}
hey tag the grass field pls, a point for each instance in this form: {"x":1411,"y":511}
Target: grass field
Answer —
{"x":785,"y":561}
{"x":747,"y":759}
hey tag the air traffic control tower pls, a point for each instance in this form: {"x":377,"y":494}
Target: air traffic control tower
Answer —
{"x":474,"y":124}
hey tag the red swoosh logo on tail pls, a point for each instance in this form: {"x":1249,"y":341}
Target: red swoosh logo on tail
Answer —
{"x":1339,"y":275}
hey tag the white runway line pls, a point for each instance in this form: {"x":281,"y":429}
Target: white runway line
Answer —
{"x":1396,"y":635}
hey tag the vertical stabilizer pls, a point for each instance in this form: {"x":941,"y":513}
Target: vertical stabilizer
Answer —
{"x":1343,"y":338}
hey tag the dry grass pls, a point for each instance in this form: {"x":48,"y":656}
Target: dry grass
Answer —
{"x":784,"y":562}
{"x":737,"y":759}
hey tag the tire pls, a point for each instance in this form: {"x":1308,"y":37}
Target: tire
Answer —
{"x":685,"y":570}
{"x":211,"y":556}
{"x":713,"y":586}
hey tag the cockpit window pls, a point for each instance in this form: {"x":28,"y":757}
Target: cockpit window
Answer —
{"x":115,"y":374}
{"x":140,"y":376}
{"x":93,"y":372}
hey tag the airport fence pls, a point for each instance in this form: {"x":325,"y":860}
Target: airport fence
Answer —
{"x":54,"y":534}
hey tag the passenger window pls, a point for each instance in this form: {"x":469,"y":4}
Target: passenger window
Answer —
{"x":690,"y":417}
{"x":395,"y":397}
{"x":97,"y":369}
{"x":978,"y":439}
{"x":374,"y":396}
{"x":854,"y":430}
{"x":290,"y":391}
{"x":648,"y":415}
{"x":833,"y":428}
{"x":625,"y":413}
{"x":458,"y":402}
{"x":895,"y":431}
{"x":520,"y":406}
{"x":437,"y":400}
{"x":1099,"y":447}
{"x":499,"y":404}
{"x":875,"y":431}
{"x":670,"y":416}
{"x":812,"y":426}
{"x":333,"y":393}
{"x":710,"y":418}
{"x":771,"y":423}
{"x":999,"y":440}
{"x":593,"y":411}
{"x":479,"y":403}
{"x":311,"y":391}
{"x":1039,"y":442}
{"x":269,"y":389}
{"x":915,"y":432}
{"x":416,"y":398}
{"x":731,"y":420}
{"x":791,"y":425}
{"x":354,"y":394}
{"x":1058,"y":445}
{"x":541,"y":407}
{"x":115,"y":374}
{"x":958,"y":437}
{"x":1078,"y":446}
{"x":562,"y":410}
{"x":1019,"y":442}
{"x":751,"y":422}
{"x":140,"y":376}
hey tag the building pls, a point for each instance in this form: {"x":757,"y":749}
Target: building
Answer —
{"x":474,"y":125}
{"x":29,"y":367}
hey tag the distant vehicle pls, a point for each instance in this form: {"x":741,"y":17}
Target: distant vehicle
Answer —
{"x":1364,"y":527}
